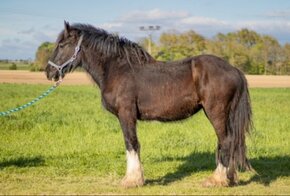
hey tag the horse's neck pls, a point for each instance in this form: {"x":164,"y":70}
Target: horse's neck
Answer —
{"x":94,"y":68}
{"x":98,"y":67}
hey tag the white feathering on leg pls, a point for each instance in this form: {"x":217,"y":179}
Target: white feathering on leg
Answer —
{"x":134,"y":174}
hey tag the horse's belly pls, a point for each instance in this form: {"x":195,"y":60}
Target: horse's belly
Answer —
{"x":169,"y":109}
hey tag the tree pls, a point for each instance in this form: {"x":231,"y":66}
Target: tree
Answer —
{"x":247,"y":38}
{"x":174,"y":46}
{"x":286,"y":60}
{"x":43,"y":54}
{"x":13,"y":66}
{"x":249,"y":51}
{"x":271,"y":51}
{"x":236,"y":48}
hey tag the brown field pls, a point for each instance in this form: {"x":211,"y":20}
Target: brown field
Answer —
{"x":81,"y":78}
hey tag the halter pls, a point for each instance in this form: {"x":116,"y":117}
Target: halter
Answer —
{"x":74,"y":56}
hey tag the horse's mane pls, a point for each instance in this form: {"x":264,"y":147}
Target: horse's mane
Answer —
{"x":110,"y":45}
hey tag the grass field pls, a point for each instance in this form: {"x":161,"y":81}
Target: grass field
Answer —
{"x":69,"y":144}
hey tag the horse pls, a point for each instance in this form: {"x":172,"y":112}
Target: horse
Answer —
{"x":134,"y":86}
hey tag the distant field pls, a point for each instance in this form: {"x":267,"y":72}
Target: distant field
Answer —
{"x":20,"y":66}
{"x":68,"y":144}
{"x":81,"y":78}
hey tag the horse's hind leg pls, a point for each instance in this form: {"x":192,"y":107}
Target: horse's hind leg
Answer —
{"x":134,"y":174}
{"x":224,"y":174}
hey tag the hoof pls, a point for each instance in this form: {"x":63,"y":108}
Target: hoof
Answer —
{"x":213,"y":181}
{"x":131,"y":182}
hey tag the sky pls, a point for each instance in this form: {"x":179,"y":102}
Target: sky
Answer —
{"x":25,"y":24}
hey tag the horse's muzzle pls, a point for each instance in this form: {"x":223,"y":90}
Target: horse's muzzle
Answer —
{"x":52,"y":73}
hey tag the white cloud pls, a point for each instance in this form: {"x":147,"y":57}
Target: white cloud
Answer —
{"x":23,"y":43}
{"x":27,"y":31}
{"x":263,"y":25}
{"x":128,"y":24}
{"x":204,"y":21}
{"x":6,"y":31}
{"x":17,"y":49}
{"x":278,"y":14}
{"x":111,"y":25}
{"x":152,"y":15}
{"x":41,"y":37}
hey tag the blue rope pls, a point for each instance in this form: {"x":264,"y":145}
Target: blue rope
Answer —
{"x":31,"y":102}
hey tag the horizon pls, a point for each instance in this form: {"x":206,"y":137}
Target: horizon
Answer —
{"x":26,"y":24}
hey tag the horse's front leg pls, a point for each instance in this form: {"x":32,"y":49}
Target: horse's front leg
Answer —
{"x":134,"y":174}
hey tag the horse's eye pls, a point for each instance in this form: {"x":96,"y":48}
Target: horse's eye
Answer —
{"x":61,"y":45}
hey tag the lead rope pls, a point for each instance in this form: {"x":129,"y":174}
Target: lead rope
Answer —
{"x":44,"y":94}
{"x":59,"y":69}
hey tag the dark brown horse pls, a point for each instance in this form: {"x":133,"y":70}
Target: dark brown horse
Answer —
{"x":134,"y":86}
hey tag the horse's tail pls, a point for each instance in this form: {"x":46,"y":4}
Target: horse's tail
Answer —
{"x":239,"y":123}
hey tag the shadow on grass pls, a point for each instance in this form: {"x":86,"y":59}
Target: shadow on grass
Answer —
{"x":23,"y":162}
{"x":195,"y":162}
{"x":268,"y":169}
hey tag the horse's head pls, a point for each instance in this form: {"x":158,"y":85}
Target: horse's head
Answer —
{"x":66,"y":55}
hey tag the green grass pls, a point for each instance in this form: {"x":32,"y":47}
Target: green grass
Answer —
{"x":68,"y":143}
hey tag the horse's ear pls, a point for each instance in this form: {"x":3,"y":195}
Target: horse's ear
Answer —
{"x":66,"y":28}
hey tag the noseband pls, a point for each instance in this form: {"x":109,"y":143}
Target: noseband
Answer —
{"x":74,"y":56}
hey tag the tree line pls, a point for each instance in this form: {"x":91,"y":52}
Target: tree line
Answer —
{"x":245,"y":49}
